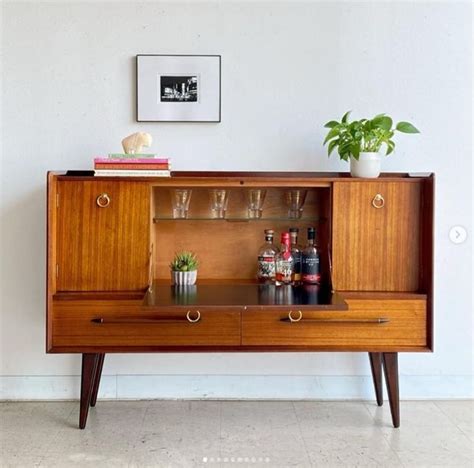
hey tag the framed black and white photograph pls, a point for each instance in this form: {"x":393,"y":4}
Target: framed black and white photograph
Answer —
{"x":178,"y":88}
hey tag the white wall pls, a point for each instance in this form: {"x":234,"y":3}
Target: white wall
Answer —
{"x":68,"y":94}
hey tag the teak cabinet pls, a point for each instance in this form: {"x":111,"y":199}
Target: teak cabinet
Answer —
{"x":110,"y":241}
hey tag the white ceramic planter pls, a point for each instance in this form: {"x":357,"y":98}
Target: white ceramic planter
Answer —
{"x":184,"y":277}
{"x":368,"y":165}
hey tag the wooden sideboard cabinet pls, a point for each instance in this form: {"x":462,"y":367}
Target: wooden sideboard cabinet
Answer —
{"x":110,"y":241}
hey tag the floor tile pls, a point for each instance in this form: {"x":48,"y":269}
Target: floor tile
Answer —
{"x":332,"y":414}
{"x":412,"y":414}
{"x":350,"y":446}
{"x":461,"y":413}
{"x":236,"y":433}
{"x":423,"y":446}
{"x":170,"y":449}
{"x":20,"y":461}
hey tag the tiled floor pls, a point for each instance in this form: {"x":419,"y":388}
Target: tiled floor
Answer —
{"x":237,"y":433}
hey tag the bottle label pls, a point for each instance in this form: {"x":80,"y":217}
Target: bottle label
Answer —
{"x":310,"y":270}
{"x":266,"y":267}
{"x":297,"y":265}
{"x":284,"y":271}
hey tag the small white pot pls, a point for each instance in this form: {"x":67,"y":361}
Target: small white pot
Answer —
{"x":368,"y":165}
{"x":184,"y":277}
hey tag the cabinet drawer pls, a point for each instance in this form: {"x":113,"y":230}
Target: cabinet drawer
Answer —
{"x":363,"y":326}
{"x":132,"y":325}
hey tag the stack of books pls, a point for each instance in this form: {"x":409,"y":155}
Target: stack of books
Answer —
{"x":130,"y":165}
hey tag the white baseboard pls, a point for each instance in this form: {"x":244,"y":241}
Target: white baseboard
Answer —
{"x":278,"y":387}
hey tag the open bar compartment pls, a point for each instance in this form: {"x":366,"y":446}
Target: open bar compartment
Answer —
{"x":227,"y":248}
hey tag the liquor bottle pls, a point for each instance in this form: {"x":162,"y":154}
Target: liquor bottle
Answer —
{"x":266,"y":259}
{"x":310,"y":272}
{"x":296,"y":252}
{"x":284,"y":273}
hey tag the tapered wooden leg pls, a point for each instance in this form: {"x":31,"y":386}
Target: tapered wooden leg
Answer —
{"x":376,"y":367}
{"x":97,"y":376}
{"x":89,"y":366}
{"x":390,"y":365}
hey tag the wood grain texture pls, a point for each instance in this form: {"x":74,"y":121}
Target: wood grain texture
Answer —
{"x":72,"y":325}
{"x":391,"y":279}
{"x":406,"y":326}
{"x":376,"y":249}
{"x":103,"y":248}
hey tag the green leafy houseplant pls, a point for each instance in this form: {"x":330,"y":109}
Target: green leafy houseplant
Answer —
{"x":363,"y":136}
{"x":184,"y":261}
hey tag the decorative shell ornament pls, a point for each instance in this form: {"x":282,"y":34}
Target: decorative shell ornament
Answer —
{"x":135,"y":142}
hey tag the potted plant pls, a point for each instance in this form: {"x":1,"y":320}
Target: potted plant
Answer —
{"x":361,"y":141}
{"x":184,"y":268}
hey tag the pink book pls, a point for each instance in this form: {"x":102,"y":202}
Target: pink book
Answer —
{"x":131,"y":160}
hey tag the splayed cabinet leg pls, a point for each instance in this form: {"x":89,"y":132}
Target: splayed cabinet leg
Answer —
{"x":89,"y":368}
{"x":390,"y":366}
{"x":97,"y":376}
{"x":376,"y":367}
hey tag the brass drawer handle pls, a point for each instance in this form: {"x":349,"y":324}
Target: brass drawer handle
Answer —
{"x":103,"y":200}
{"x":295,"y":319}
{"x":193,"y":320}
{"x":124,"y":320}
{"x":377,"y":320}
{"x":378,"y":201}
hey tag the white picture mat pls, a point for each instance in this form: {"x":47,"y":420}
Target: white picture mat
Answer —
{"x":149,"y":70}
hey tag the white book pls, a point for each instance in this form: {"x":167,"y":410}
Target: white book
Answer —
{"x":131,"y":173}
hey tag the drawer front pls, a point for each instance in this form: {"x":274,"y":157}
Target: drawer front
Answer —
{"x":121,"y":325}
{"x":366,"y":325}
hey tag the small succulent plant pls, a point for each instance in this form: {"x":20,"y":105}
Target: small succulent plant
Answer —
{"x":184,"y":261}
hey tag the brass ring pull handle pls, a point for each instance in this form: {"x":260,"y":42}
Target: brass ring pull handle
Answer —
{"x":193,"y":320}
{"x":103,"y":200}
{"x":293,"y":319}
{"x":378,"y":201}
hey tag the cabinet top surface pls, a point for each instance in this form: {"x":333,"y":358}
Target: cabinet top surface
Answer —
{"x":182,"y":176}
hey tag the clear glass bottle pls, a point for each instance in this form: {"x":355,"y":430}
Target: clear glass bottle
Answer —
{"x":310,"y":272}
{"x":284,"y":266}
{"x":296,"y":251}
{"x":266,"y":259}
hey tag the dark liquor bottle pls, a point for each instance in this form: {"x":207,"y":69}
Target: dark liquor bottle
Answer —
{"x":310,"y":272}
{"x":266,"y":259}
{"x":296,"y":251}
{"x":284,"y":273}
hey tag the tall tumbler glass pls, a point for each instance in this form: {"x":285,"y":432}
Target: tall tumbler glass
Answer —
{"x":255,"y":198}
{"x":295,"y":199}
{"x":218,"y":199}
{"x":180,"y":199}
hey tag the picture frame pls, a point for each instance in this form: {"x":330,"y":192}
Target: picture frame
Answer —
{"x":178,"y":88}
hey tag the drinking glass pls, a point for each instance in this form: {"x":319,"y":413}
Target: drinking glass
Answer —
{"x":255,"y":198}
{"x":218,"y":199}
{"x":180,"y":199}
{"x":295,"y":199}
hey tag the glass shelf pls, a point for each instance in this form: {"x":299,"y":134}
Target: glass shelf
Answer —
{"x":314,"y":219}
